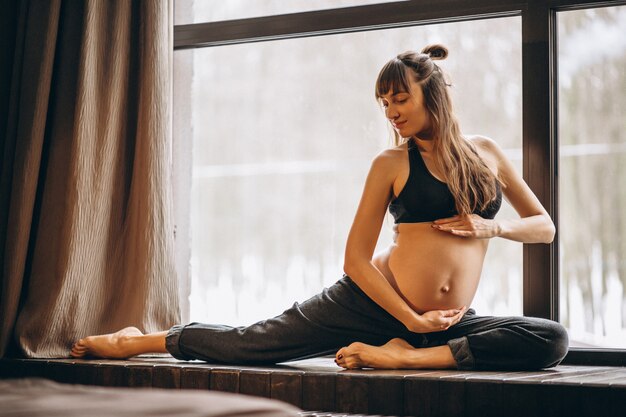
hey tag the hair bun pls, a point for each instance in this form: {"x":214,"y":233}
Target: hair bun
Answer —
{"x":436,"y":52}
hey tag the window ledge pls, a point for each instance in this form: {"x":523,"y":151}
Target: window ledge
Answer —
{"x":318,"y":384}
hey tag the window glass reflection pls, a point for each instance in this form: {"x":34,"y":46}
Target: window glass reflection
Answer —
{"x":283,"y":136}
{"x":592,"y":175}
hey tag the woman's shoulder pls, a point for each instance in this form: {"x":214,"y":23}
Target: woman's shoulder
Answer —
{"x":489,"y":151}
{"x":391,"y":155}
{"x":390,"y":161}
{"x":486,"y":146}
{"x":483,"y":142}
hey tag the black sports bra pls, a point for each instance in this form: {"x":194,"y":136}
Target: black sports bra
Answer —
{"x":424,"y":198}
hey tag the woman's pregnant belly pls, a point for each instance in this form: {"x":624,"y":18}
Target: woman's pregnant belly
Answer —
{"x":431,"y":269}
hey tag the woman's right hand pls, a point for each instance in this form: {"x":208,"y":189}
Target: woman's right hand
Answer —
{"x":437,"y":320}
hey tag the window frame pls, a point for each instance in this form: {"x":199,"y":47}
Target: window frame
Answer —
{"x":539,"y":101}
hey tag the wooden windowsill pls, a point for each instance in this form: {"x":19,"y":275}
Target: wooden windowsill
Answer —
{"x":318,"y":384}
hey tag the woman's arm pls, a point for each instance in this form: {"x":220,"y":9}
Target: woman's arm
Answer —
{"x":362,"y":243}
{"x":534,"y":224}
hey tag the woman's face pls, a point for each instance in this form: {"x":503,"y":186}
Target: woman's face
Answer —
{"x":406,"y":111}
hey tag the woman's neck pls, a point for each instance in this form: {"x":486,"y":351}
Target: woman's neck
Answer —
{"x":424,"y":145}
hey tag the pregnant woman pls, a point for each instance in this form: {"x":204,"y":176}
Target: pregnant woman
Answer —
{"x":408,"y":306}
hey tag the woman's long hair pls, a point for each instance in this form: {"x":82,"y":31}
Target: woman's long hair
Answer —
{"x":470,"y":181}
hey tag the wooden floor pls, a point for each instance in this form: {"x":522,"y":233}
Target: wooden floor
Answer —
{"x":318,"y":384}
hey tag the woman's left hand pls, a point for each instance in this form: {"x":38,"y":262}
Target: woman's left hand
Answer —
{"x":468,"y":225}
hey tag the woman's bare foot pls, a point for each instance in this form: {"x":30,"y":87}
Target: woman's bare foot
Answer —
{"x":116,"y":345}
{"x":391,"y":355}
{"x":395,"y":354}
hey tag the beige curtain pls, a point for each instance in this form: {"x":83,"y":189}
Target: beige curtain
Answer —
{"x":86,"y":186}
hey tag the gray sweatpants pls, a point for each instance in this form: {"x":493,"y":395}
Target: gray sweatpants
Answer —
{"x":343,"y":314}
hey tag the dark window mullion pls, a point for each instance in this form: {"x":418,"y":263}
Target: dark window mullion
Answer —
{"x":554,"y":157}
{"x":539,"y":155}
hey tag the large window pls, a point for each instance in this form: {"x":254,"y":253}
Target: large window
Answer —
{"x":283,"y":135}
{"x":592,"y":177}
{"x":281,"y":107}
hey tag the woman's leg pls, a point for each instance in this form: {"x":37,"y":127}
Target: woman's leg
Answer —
{"x":339,"y":315}
{"x":336,"y":317}
{"x":511,"y":343}
{"x":503,"y":343}
{"x":122,"y":344}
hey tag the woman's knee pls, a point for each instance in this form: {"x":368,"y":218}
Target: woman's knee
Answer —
{"x":556,"y":343}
